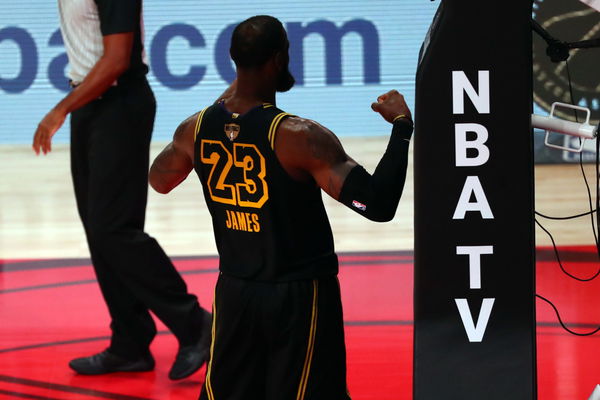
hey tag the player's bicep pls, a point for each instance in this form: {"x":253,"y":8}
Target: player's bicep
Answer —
{"x":316,"y":150}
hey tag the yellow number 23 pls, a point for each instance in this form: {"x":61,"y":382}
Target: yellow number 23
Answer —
{"x":252,"y":190}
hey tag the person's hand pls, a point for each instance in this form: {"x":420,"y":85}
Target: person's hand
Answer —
{"x":46,"y":129}
{"x":391,"y":105}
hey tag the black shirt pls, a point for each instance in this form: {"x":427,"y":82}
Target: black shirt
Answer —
{"x":268,"y":226}
{"x":124,"y":16}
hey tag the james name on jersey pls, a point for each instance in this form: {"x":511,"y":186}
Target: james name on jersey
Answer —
{"x":242,"y":221}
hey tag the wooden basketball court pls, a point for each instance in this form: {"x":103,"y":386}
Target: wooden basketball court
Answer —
{"x":51,"y":309}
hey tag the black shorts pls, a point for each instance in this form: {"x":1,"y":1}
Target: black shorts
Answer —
{"x":277,"y":341}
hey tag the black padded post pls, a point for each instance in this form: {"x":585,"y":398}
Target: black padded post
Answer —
{"x":474,"y":204}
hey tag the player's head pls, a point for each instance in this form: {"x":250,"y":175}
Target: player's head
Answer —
{"x":259,"y":40}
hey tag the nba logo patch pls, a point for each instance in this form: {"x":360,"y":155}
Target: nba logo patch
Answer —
{"x":359,"y":205}
{"x":232,"y":131}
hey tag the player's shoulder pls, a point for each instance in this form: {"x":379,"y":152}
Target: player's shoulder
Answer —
{"x":186,"y":131}
{"x":307,"y":128}
{"x":305,"y":135}
{"x":296,"y":125}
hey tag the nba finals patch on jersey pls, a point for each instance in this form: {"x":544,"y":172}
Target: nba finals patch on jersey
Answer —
{"x":232,"y":131}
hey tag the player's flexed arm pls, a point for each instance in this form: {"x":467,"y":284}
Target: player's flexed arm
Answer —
{"x":311,"y":152}
{"x":308,"y":151}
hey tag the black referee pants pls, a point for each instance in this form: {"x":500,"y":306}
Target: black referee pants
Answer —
{"x":110,"y":140}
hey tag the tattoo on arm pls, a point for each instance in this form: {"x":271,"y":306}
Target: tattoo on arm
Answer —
{"x":309,"y":152}
{"x":324,"y":146}
{"x":330,"y":162}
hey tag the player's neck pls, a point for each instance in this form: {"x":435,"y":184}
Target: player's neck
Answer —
{"x":254,"y":87}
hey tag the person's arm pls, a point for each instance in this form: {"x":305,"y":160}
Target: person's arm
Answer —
{"x":118,"y":21}
{"x":308,"y":150}
{"x":175,"y":162}
{"x":114,"y":61}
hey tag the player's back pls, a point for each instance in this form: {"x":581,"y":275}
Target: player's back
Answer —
{"x":268,"y":226}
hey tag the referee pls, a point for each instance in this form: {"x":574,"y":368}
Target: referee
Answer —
{"x":112,"y":111}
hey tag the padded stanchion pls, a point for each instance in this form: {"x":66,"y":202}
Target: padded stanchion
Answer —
{"x":474,"y":226}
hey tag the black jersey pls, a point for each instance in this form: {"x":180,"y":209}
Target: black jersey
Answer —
{"x":268,"y":226}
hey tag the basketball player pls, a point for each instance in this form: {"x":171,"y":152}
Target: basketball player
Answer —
{"x":112,"y":113}
{"x":277,"y":330}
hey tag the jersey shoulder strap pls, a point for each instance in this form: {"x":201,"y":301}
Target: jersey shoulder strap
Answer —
{"x":199,"y":122}
{"x":275,"y":124}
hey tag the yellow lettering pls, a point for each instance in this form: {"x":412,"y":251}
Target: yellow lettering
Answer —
{"x":253,"y":191}
{"x":215,"y":154}
{"x":241,"y":221}
{"x":228,"y":221}
{"x":248,"y":221}
{"x":234,"y":224}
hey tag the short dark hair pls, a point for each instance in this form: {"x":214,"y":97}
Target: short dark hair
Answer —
{"x":255,"y":40}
